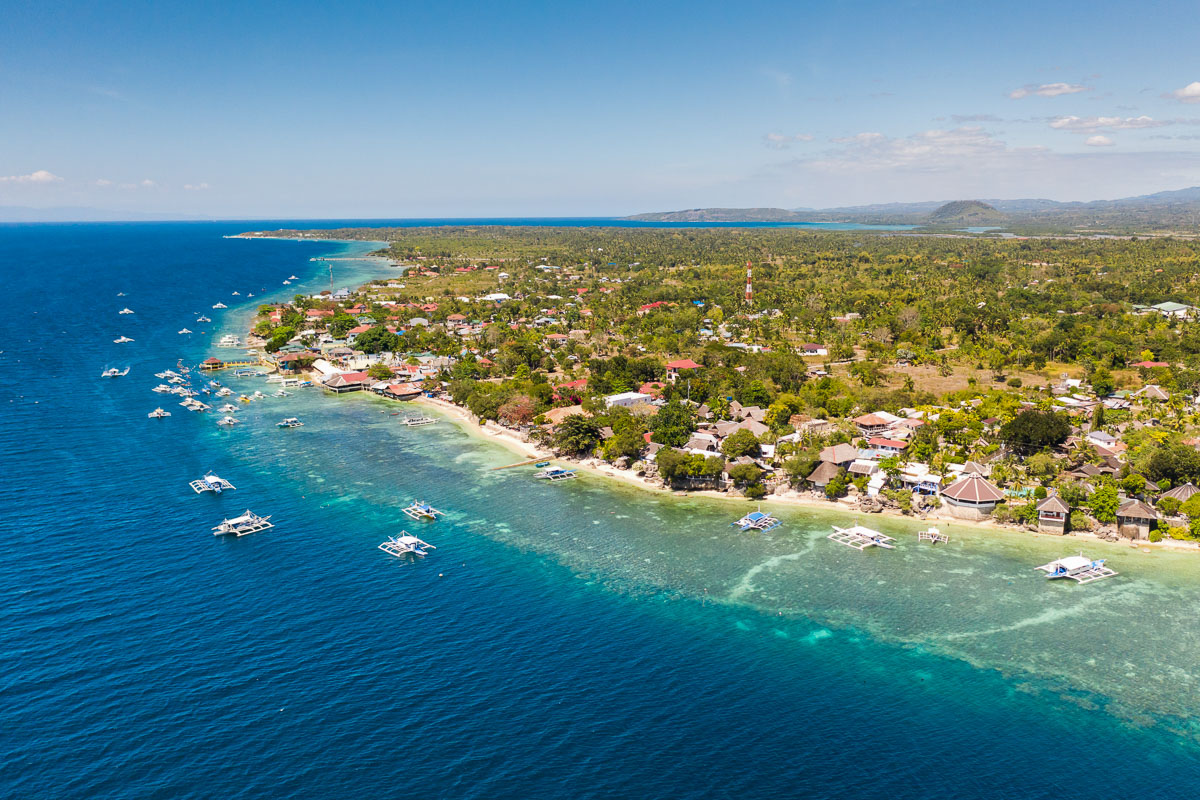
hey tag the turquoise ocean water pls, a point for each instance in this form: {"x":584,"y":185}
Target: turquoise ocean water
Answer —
{"x":578,"y":640}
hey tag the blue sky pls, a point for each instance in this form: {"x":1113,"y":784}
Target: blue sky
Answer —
{"x":555,"y":108}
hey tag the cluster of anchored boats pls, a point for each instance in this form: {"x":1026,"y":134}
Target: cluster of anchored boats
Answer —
{"x":859,"y":537}
{"x":179,"y":382}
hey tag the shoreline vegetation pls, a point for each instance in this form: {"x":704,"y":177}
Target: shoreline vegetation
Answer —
{"x":1041,"y":385}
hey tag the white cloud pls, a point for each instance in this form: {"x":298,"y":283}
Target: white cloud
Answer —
{"x":1048,"y":90}
{"x":37,"y":176}
{"x":1087,"y":124}
{"x":781,"y":79}
{"x":929,"y":151}
{"x":1099,"y":141}
{"x":103,"y":182}
{"x":195,"y":187}
{"x":147,"y":183}
{"x":1188,"y":94}
{"x":781,"y":141}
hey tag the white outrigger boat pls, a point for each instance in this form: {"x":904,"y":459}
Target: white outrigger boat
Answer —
{"x":194,"y":405}
{"x":554,"y":474}
{"x":405,"y":544}
{"x":228,"y":422}
{"x":163,"y":388}
{"x":211,"y":483}
{"x":1078,"y":568}
{"x":756,"y":521}
{"x":184,"y":330}
{"x":113,"y":372}
{"x":158,"y":413}
{"x":292,"y":278}
{"x":860,"y":538}
{"x":229,"y":340}
{"x":421,"y":419}
{"x":203,"y":319}
{"x":228,"y":408}
{"x":122,"y":340}
{"x":419,"y":510}
{"x":125,"y":311}
{"x":290,"y":422}
{"x":224,"y":391}
{"x":246,"y":523}
{"x":281,"y":393}
{"x":220,"y":305}
{"x":932,"y":535}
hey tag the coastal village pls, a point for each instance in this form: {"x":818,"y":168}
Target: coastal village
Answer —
{"x":722,"y":391}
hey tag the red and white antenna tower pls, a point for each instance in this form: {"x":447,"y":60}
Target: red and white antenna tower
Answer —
{"x":749,"y":286}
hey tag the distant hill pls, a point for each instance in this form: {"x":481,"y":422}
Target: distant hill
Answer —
{"x":722,"y":215}
{"x":1177,"y":210}
{"x":967,"y":212}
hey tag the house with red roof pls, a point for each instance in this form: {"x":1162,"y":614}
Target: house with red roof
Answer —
{"x":347,"y":382}
{"x":674,"y":368}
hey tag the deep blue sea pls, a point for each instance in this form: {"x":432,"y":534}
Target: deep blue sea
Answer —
{"x":579,"y":640}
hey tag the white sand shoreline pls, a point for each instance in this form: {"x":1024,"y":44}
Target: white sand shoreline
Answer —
{"x":511,"y":441}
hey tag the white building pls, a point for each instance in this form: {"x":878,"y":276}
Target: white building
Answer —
{"x":626,"y":399}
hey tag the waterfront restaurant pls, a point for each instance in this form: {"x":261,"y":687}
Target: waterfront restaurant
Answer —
{"x":972,"y":497}
{"x":1053,"y":514}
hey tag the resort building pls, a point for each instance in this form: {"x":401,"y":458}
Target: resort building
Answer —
{"x":1181,"y":493}
{"x":1135,"y":520}
{"x":972,"y":497}
{"x":1053,"y":515}
{"x":626,"y":399}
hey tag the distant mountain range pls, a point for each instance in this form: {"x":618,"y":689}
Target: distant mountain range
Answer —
{"x":1172,"y":210}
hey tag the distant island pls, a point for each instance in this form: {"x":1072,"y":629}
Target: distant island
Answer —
{"x":1171,"y":211}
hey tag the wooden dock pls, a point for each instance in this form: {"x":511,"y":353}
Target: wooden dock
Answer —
{"x":522,"y":463}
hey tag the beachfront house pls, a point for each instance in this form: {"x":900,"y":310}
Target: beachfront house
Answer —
{"x":972,"y":497}
{"x":1053,"y":515}
{"x":1135,"y":520}
{"x":347,"y":382}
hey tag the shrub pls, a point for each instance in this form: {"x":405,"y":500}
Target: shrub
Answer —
{"x":1156,"y":535}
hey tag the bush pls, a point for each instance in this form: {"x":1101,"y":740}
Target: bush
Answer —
{"x":1176,"y":532}
{"x":1040,"y":493}
{"x":1080,"y":521}
{"x":755,"y":491}
{"x":1156,"y":535}
{"x":1015,"y":383}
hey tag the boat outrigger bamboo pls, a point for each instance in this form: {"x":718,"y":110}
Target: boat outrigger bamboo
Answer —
{"x":932,"y":535}
{"x":413,"y":422}
{"x":405,"y":544}
{"x":245,"y":524}
{"x":419,"y":510}
{"x":860,"y":538}
{"x":290,"y":422}
{"x":555,"y":474}
{"x":211,"y":483}
{"x":1078,"y":568}
{"x":756,"y":521}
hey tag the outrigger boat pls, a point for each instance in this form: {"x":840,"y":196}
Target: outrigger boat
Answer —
{"x":203,"y":319}
{"x":419,"y":510}
{"x":224,"y":391}
{"x":162,"y":388}
{"x":932,"y":535}
{"x":282,"y":393}
{"x":211,"y":483}
{"x":756,"y":521}
{"x":405,"y":544}
{"x":555,"y":474}
{"x":113,"y":372}
{"x":860,"y":538}
{"x":220,"y":305}
{"x":413,"y":422}
{"x":125,"y":311}
{"x":158,"y":413}
{"x":1078,"y":568}
{"x":228,"y":422}
{"x":228,"y":408}
{"x":122,"y":340}
{"x":246,"y":523}
{"x":184,"y":330}
{"x":290,"y":422}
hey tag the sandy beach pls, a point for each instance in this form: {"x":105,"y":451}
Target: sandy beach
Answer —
{"x":513,"y":442}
